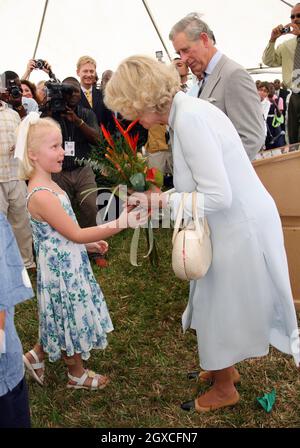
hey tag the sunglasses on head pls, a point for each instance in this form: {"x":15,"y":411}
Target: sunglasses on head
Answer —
{"x":295,"y":16}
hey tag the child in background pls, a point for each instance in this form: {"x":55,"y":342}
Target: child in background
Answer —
{"x":73,"y":316}
{"x":15,"y":288}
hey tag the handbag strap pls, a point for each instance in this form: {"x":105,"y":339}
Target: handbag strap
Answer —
{"x":195,"y":218}
{"x":179,"y":217}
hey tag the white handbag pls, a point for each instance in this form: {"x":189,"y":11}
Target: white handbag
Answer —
{"x":192,"y":251}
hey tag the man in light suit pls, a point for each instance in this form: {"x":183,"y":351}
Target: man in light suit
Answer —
{"x":222,"y":81}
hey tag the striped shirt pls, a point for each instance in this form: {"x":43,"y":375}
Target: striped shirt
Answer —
{"x":9,"y":121}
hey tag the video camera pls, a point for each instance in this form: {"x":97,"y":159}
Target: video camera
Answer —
{"x":57,"y":94}
{"x":13,"y":89}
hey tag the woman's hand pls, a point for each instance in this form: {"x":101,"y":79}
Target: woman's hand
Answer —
{"x":101,"y":247}
{"x":47,"y":67}
{"x":149,"y":200}
{"x":132,"y":217}
{"x":30,"y":66}
{"x":140,"y":199}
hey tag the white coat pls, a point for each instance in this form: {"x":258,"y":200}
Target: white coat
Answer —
{"x":244,"y":303}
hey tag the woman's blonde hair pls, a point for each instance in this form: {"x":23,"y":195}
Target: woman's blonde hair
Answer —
{"x":141,"y":84}
{"x":26,"y":166}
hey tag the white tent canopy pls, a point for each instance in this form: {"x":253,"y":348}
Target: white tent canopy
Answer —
{"x":110,"y":30}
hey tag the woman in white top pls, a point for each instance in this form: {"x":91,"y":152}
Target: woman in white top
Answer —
{"x":263,"y":92}
{"x":244,"y":303}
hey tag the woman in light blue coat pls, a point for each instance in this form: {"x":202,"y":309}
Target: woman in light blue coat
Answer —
{"x":244,"y":303}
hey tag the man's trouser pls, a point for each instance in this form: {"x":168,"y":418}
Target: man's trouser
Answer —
{"x":294,"y":118}
{"x":14,"y":408}
{"x":13,"y":205}
{"x":74,"y":183}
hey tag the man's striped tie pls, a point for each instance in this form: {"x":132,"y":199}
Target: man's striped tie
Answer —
{"x":89,"y":97}
{"x":296,"y":71}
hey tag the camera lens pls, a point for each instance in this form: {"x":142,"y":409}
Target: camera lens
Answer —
{"x":15,"y":92}
{"x":285,"y":30}
{"x":39,"y":64}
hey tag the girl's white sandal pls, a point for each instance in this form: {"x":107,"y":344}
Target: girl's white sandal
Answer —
{"x":31,"y":367}
{"x":95,"y":385}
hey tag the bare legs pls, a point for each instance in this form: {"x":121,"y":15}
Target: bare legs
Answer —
{"x":74,"y":365}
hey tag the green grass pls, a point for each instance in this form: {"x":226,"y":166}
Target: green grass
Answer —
{"x":147,"y":360}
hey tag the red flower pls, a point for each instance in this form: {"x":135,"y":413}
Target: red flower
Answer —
{"x":150,"y":175}
{"x":119,"y":126}
{"x":107,"y":136}
{"x":132,"y":142}
{"x":131,"y":126}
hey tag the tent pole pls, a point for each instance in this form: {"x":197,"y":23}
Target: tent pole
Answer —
{"x":283,"y":1}
{"x":156,"y":28}
{"x":41,"y":28}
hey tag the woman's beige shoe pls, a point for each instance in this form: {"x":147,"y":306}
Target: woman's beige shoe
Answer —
{"x":232,"y":401}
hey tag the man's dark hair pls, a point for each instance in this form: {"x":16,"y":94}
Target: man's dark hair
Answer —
{"x":71,"y":79}
{"x":9,"y":76}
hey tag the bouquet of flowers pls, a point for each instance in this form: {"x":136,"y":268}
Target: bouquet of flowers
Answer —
{"x":125,"y":164}
{"x":122,"y":164}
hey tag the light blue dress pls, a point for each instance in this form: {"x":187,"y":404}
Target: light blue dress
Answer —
{"x":244,"y":303}
{"x":73,"y":316}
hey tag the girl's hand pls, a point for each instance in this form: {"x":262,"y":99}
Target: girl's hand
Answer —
{"x":133,"y":217}
{"x":101,"y":247}
{"x":148,"y":200}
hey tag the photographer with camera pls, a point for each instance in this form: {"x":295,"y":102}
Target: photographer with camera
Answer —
{"x":287,"y":56}
{"x":37,"y":64}
{"x":80,"y":131}
{"x":13,"y":95}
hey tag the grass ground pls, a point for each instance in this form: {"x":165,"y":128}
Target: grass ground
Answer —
{"x":148,"y":358}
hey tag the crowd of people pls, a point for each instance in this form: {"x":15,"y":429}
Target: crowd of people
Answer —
{"x":206,"y":134}
{"x":274,"y":100}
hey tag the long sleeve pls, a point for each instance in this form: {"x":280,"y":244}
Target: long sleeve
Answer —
{"x":203,"y":154}
{"x":244,"y":110}
{"x":272,"y":56}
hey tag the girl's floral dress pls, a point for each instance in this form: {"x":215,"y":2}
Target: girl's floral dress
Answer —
{"x":73,"y":316}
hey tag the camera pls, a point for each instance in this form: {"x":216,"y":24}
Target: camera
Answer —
{"x":57,"y":96}
{"x":39,"y":64}
{"x":13,"y":89}
{"x":285,"y":30}
{"x":159,"y":55}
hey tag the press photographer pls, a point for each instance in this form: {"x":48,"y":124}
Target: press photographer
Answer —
{"x":80,"y":131}
{"x":287,"y":56}
{"x":38,"y":64}
{"x":13,"y":95}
